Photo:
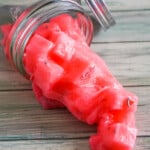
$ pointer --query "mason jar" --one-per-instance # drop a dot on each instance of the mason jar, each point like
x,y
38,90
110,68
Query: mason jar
x,y
27,16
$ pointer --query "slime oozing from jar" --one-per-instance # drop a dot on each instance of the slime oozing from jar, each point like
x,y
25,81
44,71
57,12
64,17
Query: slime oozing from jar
x,y
65,72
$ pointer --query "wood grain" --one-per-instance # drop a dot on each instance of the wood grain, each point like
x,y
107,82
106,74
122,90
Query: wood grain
x,y
129,62
72,144
128,5
17,2
114,5
125,48
130,27
23,118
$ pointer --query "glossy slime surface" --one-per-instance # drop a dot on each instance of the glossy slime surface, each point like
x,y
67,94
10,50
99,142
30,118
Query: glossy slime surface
x,y
65,72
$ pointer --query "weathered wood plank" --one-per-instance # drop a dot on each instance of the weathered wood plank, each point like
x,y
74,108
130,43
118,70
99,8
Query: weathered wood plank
x,y
76,144
72,144
21,117
118,5
12,80
29,127
127,5
17,2
129,62
124,5
130,26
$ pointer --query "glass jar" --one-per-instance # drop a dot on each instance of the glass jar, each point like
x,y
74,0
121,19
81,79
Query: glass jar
x,y
27,18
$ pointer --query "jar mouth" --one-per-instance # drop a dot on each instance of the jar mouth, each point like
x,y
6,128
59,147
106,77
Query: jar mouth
x,y
37,14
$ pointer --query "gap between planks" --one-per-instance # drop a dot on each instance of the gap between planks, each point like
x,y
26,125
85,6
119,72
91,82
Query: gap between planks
x,y
76,144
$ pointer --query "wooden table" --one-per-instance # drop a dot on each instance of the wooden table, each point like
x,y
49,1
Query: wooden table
x,y
24,125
